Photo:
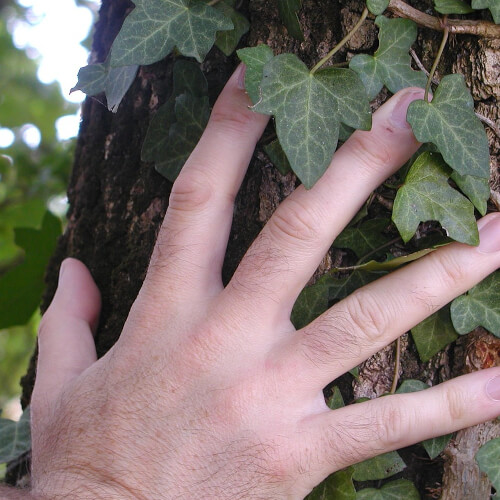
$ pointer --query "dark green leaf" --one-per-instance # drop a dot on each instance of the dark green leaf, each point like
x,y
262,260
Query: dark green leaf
x,y
376,7
15,437
488,459
191,115
21,288
380,467
338,486
255,58
493,5
477,189
228,40
312,301
435,446
114,82
288,13
433,334
452,7
155,27
449,122
308,108
341,288
364,239
390,65
426,195
278,157
401,489
480,306
336,400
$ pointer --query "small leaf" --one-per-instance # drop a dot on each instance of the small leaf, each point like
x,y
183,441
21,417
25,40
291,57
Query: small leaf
x,y
426,195
477,189
278,157
450,123
155,27
255,58
21,288
338,486
191,115
15,437
228,40
364,239
114,82
309,108
336,400
435,446
380,467
288,13
480,306
452,7
411,385
488,458
390,65
493,5
376,7
312,301
401,489
433,334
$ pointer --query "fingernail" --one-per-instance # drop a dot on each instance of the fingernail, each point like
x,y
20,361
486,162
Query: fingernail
x,y
61,271
398,117
489,235
241,76
493,388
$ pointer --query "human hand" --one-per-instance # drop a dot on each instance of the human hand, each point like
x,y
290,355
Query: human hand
x,y
210,391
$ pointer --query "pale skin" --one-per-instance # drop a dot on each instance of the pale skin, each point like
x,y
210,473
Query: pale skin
x,y
210,392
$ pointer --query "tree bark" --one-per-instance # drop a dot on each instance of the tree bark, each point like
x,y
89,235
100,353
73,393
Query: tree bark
x,y
117,202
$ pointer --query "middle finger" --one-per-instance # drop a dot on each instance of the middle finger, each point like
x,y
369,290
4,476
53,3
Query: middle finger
x,y
296,238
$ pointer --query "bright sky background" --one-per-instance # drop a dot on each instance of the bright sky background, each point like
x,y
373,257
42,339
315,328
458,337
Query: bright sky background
x,y
52,35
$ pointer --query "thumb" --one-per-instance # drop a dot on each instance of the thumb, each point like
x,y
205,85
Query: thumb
x,y
65,337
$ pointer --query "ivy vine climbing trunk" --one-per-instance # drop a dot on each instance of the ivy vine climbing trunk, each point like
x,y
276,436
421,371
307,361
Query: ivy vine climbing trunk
x,y
118,202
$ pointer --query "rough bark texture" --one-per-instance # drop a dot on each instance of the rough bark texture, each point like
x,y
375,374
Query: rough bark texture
x,y
118,202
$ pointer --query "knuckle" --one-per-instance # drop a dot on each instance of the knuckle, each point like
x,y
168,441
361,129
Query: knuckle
x,y
367,316
456,403
295,222
394,424
191,191
451,272
370,151
231,119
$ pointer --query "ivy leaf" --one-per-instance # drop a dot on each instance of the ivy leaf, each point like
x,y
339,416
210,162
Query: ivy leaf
x,y
338,486
433,334
380,467
391,63
411,385
364,239
493,5
336,400
480,306
312,301
21,288
426,195
488,458
255,58
452,7
395,490
114,82
376,7
228,40
191,115
187,79
450,123
278,157
477,189
288,13
341,288
308,108
155,27
15,437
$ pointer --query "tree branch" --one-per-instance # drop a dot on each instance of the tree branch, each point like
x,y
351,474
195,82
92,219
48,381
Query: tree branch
x,y
485,29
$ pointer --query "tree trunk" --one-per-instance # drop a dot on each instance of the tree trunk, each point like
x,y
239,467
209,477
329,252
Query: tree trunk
x,y
117,202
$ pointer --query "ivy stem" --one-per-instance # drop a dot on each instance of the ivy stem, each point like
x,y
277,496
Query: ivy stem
x,y
436,62
397,356
341,43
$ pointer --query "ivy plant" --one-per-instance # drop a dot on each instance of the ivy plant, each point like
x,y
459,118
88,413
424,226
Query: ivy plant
x,y
314,108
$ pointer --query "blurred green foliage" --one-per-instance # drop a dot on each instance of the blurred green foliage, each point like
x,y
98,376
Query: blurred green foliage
x,y
30,176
